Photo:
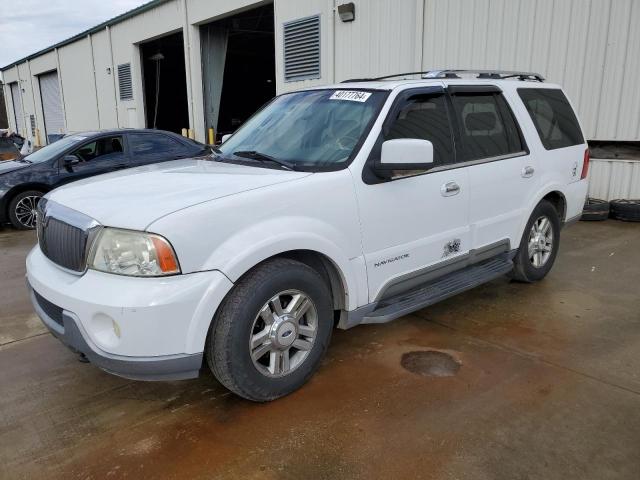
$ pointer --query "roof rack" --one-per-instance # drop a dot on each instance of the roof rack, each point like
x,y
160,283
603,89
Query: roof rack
x,y
483,74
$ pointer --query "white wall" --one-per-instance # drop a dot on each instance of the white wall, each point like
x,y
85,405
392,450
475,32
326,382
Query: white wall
x,y
287,10
78,86
385,38
591,47
105,78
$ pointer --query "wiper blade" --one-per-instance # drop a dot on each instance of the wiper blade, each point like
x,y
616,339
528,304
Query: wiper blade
x,y
262,157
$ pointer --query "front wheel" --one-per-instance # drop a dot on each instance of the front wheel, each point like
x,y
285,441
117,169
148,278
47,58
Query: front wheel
x,y
22,209
539,244
271,331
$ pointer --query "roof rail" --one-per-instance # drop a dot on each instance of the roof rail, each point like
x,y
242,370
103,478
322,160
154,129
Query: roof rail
x,y
486,74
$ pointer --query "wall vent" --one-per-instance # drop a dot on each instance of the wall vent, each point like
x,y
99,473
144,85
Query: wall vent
x,y
125,85
302,49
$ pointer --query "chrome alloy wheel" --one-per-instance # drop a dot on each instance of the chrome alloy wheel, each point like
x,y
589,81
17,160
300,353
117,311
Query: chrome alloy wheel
x,y
25,211
283,333
540,242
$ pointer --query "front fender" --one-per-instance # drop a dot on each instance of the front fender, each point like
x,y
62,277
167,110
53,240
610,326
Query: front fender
x,y
247,248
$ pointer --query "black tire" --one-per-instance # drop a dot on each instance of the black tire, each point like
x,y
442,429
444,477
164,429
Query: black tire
x,y
228,351
595,210
626,210
16,217
524,269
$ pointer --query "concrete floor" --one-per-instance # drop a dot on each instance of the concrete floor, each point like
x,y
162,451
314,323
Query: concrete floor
x,y
549,388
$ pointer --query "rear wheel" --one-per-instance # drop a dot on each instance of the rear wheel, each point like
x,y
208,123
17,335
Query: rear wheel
x,y
271,331
539,244
22,209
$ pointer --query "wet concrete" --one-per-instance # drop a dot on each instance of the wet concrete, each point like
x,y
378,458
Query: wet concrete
x,y
548,387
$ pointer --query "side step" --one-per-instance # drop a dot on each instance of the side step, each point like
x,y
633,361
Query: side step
x,y
444,287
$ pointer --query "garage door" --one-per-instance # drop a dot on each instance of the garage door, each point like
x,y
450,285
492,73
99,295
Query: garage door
x,y
51,105
17,108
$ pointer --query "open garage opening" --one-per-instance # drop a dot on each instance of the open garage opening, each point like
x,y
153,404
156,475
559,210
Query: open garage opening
x,y
165,83
238,65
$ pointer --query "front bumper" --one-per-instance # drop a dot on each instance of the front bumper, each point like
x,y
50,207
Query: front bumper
x,y
139,328
69,331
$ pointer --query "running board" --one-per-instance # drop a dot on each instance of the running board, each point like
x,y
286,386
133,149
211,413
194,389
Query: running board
x,y
440,289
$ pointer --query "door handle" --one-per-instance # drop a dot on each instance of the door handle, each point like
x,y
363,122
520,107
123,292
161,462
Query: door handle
x,y
449,189
527,172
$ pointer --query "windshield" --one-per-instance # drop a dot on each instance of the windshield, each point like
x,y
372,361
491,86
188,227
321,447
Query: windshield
x,y
311,130
54,149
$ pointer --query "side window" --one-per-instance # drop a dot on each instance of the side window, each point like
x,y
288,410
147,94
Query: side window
x,y
102,148
153,144
425,117
552,116
487,127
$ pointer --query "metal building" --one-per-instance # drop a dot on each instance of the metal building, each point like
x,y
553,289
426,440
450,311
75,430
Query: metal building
x,y
201,64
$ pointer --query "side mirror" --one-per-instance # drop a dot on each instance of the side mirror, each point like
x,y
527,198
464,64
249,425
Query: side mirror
x,y
70,160
405,154
226,137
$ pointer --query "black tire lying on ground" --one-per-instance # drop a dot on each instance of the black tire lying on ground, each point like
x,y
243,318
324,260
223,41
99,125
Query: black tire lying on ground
x,y
626,210
595,210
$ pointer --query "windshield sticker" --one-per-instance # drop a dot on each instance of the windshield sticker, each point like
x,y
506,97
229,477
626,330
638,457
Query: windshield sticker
x,y
350,95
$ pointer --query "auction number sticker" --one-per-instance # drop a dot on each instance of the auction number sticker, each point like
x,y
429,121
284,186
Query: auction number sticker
x,y
350,95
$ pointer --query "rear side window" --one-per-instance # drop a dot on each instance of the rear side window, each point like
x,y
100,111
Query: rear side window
x,y
552,116
425,117
150,144
487,127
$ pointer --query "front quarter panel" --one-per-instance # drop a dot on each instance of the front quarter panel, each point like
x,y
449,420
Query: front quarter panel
x,y
233,234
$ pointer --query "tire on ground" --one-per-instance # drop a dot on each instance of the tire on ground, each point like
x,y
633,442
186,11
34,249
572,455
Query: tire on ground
x,y
595,210
227,349
626,210
524,270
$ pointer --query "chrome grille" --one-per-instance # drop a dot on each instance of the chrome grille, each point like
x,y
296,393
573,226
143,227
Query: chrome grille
x,y
63,244
64,235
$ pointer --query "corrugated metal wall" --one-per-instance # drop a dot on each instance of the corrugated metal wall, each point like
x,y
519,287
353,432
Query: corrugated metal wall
x,y
591,47
611,179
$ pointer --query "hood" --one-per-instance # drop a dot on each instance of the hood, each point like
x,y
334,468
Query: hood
x,y
135,197
11,165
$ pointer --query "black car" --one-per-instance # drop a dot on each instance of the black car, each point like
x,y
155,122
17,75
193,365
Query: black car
x,y
25,180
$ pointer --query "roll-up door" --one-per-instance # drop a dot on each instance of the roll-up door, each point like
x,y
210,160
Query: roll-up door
x,y
51,105
17,108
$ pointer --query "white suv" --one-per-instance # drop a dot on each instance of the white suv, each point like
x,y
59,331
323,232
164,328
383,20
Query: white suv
x,y
332,206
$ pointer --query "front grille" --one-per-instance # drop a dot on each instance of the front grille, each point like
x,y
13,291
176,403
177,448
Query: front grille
x,y
63,244
54,312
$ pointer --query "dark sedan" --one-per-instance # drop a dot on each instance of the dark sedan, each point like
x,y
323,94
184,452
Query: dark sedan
x,y
81,155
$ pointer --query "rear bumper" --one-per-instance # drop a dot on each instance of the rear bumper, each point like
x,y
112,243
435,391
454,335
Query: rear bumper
x,y
69,331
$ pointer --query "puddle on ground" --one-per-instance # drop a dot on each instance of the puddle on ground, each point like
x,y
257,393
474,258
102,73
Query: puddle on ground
x,y
430,363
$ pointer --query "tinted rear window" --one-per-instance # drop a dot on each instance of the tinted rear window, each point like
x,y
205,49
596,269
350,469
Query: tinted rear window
x,y
552,116
487,127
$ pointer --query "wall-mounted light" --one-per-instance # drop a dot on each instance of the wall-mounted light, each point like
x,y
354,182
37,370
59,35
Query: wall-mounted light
x,y
347,12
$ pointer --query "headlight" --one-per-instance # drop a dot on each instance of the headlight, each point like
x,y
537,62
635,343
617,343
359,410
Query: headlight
x,y
138,254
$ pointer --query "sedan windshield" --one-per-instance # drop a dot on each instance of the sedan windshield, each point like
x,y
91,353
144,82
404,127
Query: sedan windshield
x,y
311,130
54,149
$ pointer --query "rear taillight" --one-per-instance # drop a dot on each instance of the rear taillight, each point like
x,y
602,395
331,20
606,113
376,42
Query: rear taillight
x,y
585,165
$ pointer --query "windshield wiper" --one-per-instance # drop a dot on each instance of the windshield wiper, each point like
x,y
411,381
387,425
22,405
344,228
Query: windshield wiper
x,y
262,157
